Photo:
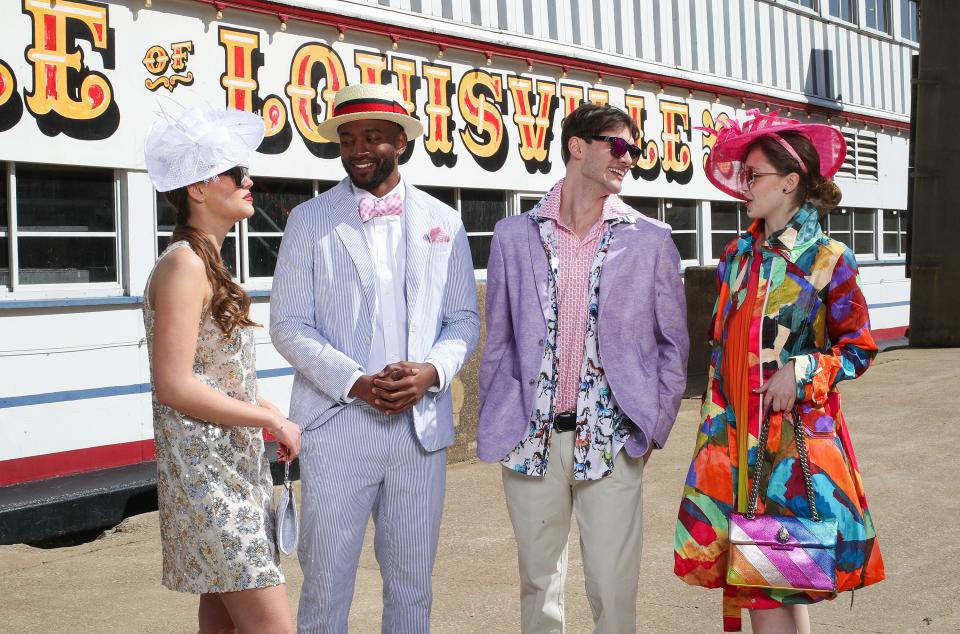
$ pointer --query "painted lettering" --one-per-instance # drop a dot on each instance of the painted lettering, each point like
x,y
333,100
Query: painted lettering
x,y
481,99
440,124
533,116
11,106
242,63
677,158
315,64
709,140
572,97
647,166
67,96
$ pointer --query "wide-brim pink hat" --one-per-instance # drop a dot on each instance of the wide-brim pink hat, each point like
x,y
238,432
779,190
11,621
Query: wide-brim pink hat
x,y
725,162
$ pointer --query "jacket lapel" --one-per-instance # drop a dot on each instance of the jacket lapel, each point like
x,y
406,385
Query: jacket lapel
x,y
611,266
538,260
418,219
350,231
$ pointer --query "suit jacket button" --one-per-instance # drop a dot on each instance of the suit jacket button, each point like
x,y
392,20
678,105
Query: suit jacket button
x,y
540,343
532,381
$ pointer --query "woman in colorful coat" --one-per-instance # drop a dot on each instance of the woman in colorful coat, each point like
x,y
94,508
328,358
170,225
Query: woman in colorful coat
x,y
790,323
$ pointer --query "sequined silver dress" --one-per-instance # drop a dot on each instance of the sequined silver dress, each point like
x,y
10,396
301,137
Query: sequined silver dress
x,y
214,489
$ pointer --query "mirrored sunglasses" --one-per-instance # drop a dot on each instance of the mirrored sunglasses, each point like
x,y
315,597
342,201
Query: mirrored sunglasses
x,y
619,146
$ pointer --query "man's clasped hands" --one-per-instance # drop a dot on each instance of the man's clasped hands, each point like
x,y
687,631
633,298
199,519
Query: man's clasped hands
x,y
397,387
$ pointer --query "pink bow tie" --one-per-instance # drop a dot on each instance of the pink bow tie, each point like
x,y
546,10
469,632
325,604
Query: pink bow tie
x,y
391,205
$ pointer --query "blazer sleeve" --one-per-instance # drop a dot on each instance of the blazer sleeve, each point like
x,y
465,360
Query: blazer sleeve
x,y
459,318
673,341
293,324
848,328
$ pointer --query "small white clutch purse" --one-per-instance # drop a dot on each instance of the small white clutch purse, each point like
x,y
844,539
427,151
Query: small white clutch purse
x,y
288,525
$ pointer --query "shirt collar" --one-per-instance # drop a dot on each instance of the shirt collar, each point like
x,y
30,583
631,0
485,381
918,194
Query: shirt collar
x,y
802,230
614,209
362,193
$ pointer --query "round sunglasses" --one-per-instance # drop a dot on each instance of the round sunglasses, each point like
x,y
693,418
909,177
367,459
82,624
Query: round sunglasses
x,y
619,146
748,176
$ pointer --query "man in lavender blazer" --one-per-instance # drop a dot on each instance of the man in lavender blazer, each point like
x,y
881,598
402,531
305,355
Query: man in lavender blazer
x,y
582,373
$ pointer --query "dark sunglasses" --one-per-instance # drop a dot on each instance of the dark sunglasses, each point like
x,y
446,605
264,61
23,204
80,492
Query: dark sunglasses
x,y
619,147
238,174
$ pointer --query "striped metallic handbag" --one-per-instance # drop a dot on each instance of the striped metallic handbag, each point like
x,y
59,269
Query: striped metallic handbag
x,y
782,551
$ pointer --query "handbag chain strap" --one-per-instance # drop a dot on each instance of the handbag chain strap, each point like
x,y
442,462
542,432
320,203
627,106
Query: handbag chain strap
x,y
804,466
286,474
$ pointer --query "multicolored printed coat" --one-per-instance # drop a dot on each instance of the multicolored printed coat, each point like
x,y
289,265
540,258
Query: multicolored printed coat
x,y
809,308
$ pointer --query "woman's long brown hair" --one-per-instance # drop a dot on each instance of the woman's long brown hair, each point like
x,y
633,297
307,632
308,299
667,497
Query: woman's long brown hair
x,y
230,304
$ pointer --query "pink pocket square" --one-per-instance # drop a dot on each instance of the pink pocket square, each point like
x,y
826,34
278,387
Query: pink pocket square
x,y
437,235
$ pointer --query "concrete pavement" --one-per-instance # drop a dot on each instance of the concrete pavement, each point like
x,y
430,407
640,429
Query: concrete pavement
x,y
903,414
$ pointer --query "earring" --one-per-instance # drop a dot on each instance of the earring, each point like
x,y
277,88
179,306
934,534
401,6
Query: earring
x,y
784,190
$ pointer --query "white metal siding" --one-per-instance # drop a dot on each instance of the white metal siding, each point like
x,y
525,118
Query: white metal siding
x,y
761,41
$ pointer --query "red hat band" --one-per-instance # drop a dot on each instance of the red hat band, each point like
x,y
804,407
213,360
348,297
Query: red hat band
x,y
369,105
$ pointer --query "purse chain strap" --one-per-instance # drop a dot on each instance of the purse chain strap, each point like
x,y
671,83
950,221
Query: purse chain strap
x,y
804,465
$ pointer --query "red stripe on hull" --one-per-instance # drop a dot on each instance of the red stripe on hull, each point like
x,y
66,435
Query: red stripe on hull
x,y
889,333
52,465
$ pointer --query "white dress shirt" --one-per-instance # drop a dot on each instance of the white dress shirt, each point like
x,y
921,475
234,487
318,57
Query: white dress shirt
x,y
385,239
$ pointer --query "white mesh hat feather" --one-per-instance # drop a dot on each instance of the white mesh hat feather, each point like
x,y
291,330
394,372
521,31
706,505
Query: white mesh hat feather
x,y
199,144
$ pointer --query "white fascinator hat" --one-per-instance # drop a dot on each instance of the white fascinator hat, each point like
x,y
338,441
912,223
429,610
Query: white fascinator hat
x,y
199,144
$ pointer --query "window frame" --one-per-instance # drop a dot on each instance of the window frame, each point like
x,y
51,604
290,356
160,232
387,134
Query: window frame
x,y
849,236
741,227
16,290
914,36
863,211
698,222
241,235
888,17
510,210
796,4
157,234
522,195
900,231
259,282
854,13
511,199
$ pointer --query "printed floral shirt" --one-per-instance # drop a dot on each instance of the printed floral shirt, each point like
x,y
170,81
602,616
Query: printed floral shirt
x,y
601,427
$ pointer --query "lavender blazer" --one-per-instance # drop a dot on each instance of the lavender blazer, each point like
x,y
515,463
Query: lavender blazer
x,y
642,331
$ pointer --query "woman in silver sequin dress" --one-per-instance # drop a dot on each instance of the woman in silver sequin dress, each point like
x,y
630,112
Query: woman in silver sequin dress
x,y
214,487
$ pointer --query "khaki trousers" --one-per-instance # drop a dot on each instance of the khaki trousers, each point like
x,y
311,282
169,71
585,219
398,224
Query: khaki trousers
x,y
610,517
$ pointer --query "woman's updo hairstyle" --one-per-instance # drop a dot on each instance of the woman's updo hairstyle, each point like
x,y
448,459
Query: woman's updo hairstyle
x,y
813,187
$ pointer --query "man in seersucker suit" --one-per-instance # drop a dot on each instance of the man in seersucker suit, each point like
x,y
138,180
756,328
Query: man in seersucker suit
x,y
374,306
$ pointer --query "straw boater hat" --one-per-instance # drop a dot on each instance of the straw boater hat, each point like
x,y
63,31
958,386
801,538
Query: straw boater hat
x,y
725,162
199,144
369,101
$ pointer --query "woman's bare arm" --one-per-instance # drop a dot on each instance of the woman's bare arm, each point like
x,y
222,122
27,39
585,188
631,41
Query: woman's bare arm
x,y
178,291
